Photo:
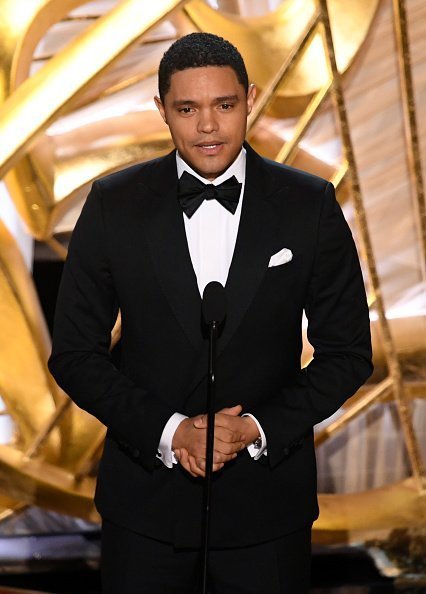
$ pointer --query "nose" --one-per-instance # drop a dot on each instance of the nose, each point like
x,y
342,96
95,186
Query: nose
x,y
207,122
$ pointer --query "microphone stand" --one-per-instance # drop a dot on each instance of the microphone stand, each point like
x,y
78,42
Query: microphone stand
x,y
214,313
211,393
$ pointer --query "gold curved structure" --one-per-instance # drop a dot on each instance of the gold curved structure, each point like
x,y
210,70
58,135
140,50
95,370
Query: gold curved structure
x,y
266,41
26,386
53,88
23,324
297,62
354,515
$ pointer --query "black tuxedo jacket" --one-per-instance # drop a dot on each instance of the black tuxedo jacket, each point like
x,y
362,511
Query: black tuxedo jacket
x,y
129,251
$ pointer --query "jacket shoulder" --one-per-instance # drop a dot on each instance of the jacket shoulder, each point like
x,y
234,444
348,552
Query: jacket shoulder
x,y
293,177
119,180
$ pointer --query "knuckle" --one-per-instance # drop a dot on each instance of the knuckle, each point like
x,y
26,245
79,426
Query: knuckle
x,y
227,434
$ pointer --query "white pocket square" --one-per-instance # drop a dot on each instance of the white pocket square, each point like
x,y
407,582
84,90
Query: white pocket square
x,y
282,257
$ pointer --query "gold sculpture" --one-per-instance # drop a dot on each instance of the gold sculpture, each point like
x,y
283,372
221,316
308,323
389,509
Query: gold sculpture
x,y
291,56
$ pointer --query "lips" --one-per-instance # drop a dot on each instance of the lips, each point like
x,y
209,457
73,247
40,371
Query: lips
x,y
209,148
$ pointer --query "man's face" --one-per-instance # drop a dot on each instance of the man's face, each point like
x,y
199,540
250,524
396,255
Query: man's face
x,y
206,110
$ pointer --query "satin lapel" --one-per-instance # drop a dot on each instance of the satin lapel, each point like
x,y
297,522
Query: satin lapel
x,y
253,247
165,233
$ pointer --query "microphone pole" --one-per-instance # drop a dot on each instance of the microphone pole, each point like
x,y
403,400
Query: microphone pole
x,y
214,312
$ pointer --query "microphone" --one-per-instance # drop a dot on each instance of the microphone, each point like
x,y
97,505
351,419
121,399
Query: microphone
x,y
214,303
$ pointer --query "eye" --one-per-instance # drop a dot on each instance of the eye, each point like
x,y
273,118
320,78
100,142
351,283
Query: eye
x,y
185,110
226,106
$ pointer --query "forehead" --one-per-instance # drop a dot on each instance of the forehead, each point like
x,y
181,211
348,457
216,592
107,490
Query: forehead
x,y
212,81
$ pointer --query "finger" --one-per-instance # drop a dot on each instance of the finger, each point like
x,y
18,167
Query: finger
x,y
229,422
218,463
228,449
228,435
179,452
200,422
201,463
219,458
194,467
234,411
217,467
197,449
184,461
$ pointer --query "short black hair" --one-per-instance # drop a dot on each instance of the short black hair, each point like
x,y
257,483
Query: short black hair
x,y
198,50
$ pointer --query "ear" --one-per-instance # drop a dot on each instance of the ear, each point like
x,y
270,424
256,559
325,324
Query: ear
x,y
251,96
160,107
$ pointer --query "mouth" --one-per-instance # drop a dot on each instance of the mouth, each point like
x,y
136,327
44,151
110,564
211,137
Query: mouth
x,y
209,148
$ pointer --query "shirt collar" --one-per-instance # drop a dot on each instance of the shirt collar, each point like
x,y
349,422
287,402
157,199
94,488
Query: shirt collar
x,y
237,168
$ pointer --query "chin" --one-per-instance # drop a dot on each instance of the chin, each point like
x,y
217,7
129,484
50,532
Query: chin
x,y
210,175
215,168
207,171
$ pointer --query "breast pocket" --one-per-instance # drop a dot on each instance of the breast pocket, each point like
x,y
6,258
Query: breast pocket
x,y
281,292
285,273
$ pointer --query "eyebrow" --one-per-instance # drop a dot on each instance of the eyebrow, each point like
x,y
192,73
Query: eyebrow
x,y
226,98
223,99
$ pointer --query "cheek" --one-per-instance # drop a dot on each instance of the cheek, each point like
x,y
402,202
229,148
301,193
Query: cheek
x,y
182,132
237,129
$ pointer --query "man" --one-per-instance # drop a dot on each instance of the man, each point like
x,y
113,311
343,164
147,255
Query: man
x,y
148,241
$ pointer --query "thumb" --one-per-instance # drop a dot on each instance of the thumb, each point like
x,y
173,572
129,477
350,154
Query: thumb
x,y
234,411
200,422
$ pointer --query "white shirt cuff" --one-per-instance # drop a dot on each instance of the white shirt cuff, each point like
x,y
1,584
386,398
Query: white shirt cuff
x,y
254,451
165,452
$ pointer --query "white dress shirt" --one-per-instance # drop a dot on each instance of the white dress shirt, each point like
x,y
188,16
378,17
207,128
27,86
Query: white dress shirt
x,y
211,234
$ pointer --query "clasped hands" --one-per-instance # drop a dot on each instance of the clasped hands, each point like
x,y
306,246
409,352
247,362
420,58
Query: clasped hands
x,y
232,434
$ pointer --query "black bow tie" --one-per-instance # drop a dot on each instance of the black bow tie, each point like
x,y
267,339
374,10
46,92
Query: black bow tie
x,y
192,192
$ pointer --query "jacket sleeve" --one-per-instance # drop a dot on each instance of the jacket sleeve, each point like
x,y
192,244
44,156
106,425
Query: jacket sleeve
x,y
338,330
80,362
